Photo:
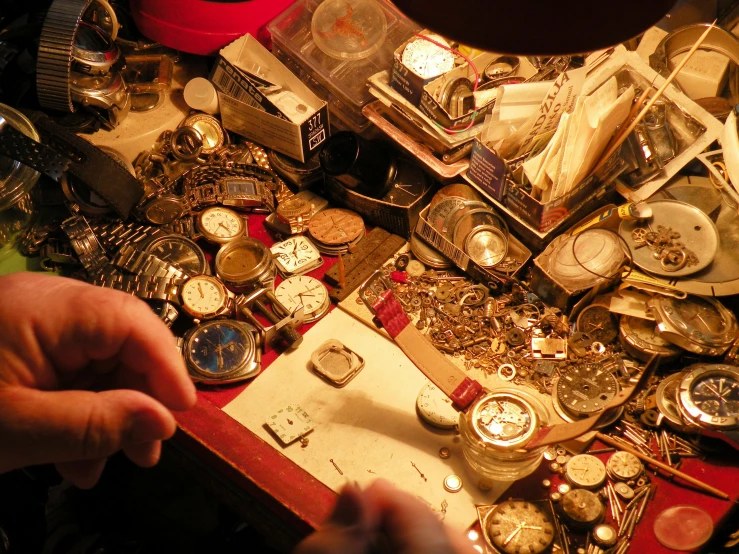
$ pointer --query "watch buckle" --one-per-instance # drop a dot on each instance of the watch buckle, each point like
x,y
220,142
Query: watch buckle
x,y
372,288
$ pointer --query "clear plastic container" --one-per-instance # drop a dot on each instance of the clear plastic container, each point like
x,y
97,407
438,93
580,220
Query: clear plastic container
x,y
16,181
349,29
336,80
503,460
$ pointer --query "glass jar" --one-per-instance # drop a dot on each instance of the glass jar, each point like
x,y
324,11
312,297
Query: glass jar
x,y
494,432
16,181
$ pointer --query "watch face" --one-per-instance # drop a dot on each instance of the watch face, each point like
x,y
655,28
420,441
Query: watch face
x,y
642,335
517,527
221,224
585,471
295,255
487,246
599,323
180,252
242,186
336,226
210,128
219,348
586,389
163,211
305,291
624,466
700,314
504,419
435,407
717,395
203,296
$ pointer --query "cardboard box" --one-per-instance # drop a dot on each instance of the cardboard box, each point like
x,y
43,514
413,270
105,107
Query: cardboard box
x,y
425,93
516,250
243,71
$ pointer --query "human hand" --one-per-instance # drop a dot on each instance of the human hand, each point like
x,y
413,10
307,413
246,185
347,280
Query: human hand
x,y
84,372
382,519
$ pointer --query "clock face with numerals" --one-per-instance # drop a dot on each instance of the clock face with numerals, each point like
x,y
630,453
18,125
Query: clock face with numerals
x,y
203,296
518,527
290,423
336,226
296,255
309,292
220,225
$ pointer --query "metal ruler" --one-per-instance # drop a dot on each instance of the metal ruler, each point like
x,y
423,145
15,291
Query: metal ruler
x,y
371,254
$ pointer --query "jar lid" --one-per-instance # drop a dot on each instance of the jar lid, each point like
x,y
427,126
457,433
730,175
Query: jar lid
x,y
16,179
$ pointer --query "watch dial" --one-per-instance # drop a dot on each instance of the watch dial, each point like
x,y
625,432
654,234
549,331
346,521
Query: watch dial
x,y
585,471
180,252
699,314
716,395
624,466
336,226
203,296
222,223
599,323
487,247
504,419
586,389
646,331
295,253
241,186
218,348
165,211
518,527
309,292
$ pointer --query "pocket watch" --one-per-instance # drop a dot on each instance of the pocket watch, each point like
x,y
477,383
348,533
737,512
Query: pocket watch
x,y
180,252
305,291
296,256
698,324
599,323
435,408
245,264
624,466
336,226
205,297
640,340
221,225
221,351
708,397
516,526
585,471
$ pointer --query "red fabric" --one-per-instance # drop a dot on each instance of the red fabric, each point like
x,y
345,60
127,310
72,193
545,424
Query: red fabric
x,y
304,502
399,276
390,313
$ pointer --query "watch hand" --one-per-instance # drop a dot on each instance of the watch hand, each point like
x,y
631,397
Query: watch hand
x,y
714,391
515,532
533,527
200,290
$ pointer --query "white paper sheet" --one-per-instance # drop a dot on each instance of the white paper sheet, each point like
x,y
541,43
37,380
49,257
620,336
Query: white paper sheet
x,y
369,428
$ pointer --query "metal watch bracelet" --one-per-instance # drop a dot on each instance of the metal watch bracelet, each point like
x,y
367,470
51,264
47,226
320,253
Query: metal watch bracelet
x,y
85,244
113,235
133,260
143,286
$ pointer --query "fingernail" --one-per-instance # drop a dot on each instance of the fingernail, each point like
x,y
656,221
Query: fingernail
x,y
348,509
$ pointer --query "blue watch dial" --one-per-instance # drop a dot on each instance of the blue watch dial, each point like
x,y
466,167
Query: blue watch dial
x,y
218,348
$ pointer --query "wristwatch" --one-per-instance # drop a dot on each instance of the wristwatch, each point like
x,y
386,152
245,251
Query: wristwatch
x,y
221,225
296,256
708,399
640,340
245,264
85,244
236,192
698,324
106,94
133,260
205,297
180,252
93,52
296,212
221,351
61,150
301,175
164,209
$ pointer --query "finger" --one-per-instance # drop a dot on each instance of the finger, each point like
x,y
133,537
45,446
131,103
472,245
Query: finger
x,y
42,427
145,454
409,525
83,474
349,528
74,324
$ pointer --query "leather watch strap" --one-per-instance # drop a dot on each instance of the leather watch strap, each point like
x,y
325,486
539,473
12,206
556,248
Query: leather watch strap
x,y
17,146
432,363
97,169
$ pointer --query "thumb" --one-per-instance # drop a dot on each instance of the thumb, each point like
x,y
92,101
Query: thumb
x,y
42,427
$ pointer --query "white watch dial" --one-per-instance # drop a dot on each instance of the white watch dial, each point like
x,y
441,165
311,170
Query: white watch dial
x,y
295,254
222,223
435,407
309,292
585,471
202,296
624,466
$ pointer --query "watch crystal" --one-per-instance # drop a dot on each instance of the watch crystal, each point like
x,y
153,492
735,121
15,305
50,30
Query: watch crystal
x,y
717,395
203,296
180,252
219,348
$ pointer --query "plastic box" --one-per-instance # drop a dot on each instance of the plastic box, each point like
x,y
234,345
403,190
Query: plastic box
x,y
342,83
